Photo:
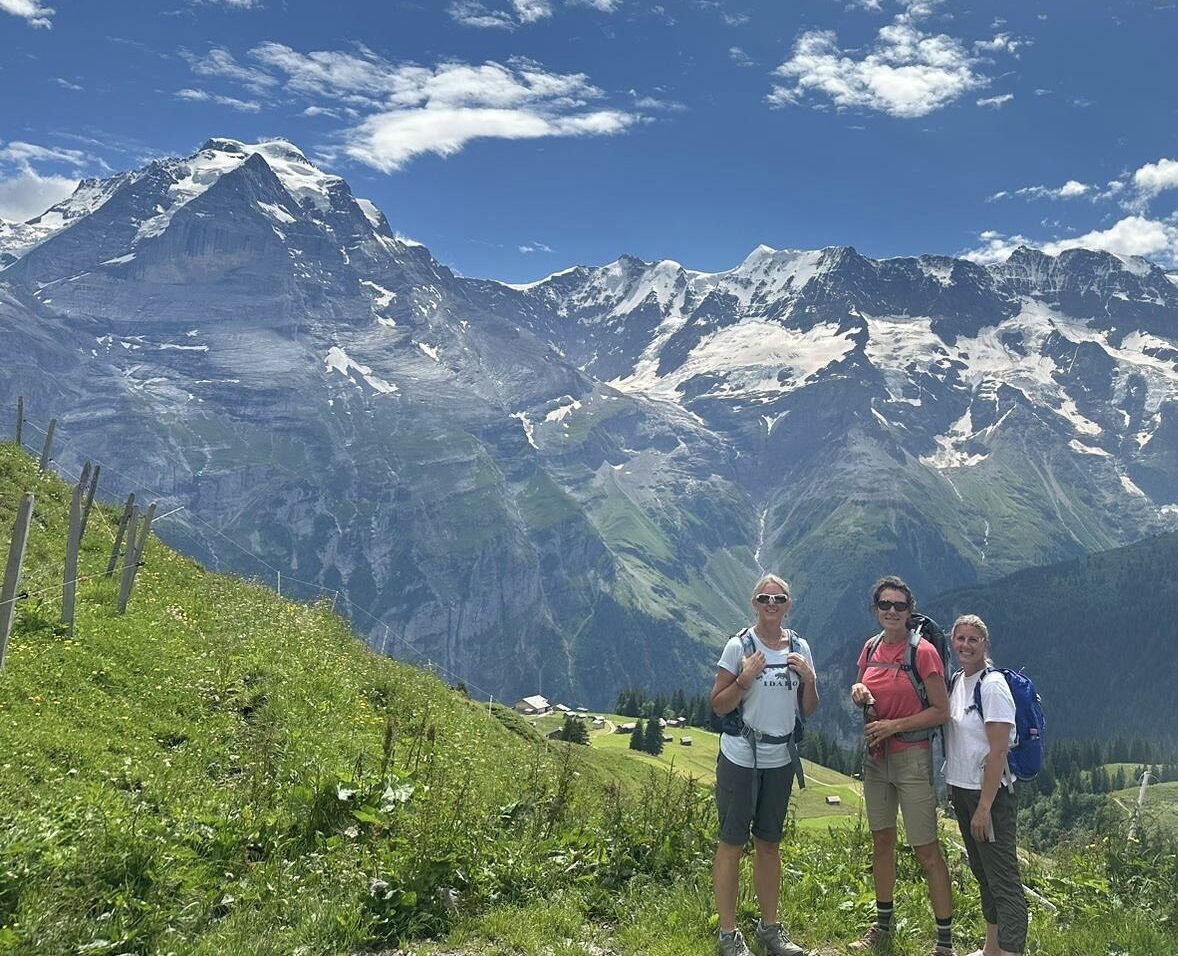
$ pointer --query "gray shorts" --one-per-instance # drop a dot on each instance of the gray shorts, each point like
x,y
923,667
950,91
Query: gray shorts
x,y
752,799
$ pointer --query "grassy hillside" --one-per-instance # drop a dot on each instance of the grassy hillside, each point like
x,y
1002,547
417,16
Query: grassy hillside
x,y
221,771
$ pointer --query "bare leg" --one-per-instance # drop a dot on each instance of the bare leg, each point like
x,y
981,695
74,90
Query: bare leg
x,y
937,874
725,879
883,862
767,878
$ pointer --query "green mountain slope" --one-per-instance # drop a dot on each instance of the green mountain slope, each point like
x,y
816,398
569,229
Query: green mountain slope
x,y
1096,634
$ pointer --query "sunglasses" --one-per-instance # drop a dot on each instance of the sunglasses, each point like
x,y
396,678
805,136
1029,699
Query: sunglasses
x,y
892,605
771,598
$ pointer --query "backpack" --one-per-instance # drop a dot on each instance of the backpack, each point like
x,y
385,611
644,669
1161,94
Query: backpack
x,y
920,628
1025,757
733,721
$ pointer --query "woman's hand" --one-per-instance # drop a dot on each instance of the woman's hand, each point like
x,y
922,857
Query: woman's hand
x,y
981,827
876,732
751,668
800,666
860,695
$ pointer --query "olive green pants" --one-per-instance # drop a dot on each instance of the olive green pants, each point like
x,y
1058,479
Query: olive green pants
x,y
995,864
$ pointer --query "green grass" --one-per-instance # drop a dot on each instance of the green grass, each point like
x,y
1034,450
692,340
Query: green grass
x,y
220,771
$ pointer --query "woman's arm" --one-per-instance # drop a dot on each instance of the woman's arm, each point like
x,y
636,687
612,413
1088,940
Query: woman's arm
x,y
728,688
998,734
800,665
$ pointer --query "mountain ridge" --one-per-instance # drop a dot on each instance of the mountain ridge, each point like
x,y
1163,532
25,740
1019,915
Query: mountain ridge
x,y
600,463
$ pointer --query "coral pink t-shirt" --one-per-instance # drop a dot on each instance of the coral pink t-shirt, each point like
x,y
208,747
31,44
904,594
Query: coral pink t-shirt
x,y
892,688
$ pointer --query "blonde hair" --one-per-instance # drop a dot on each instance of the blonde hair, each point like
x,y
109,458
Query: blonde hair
x,y
972,620
771,579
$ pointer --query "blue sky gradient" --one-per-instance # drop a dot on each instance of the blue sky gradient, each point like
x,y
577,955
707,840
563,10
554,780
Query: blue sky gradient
x,y
518,137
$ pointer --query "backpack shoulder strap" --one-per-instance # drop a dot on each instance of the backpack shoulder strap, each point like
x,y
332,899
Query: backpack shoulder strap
x,y
977,691
872,645
914,639
746,642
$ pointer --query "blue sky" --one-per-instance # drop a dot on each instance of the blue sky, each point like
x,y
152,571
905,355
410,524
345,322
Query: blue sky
x,y
519,137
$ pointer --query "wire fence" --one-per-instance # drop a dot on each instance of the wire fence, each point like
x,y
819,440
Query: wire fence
x,y
276,577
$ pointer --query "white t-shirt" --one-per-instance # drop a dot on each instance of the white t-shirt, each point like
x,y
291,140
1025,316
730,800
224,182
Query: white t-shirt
x,y
966,743
770,703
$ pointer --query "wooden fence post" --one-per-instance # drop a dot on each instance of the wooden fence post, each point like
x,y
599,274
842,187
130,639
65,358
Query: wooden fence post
x,y
90,497
136,545
123,522
16,554
70,580
20,419
128,561
47,447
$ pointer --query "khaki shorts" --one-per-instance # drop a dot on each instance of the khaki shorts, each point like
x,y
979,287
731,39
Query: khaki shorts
x,y
901,780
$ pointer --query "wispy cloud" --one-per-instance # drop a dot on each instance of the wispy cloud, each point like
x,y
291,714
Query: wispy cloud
x,y
220,63
535,247
66,84
404,110
202,96
906,73
605,6
31,11
509,14
996,102
471,13
739,57
1072,189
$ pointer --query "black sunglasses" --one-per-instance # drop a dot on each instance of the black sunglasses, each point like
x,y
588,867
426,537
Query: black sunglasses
x,y
771,598
892,605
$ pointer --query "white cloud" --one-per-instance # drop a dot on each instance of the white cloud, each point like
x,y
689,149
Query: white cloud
x,y
66,84
907,73
239,4
470,13
24,192
21,154
1072,189
535,247
1154,178
201,96
1002,43
409,110
996,102
1132,236
605,6
529,11
739,57
220,63
29,10
735,19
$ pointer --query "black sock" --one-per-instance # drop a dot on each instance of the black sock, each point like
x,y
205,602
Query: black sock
x,y
883,915
945,932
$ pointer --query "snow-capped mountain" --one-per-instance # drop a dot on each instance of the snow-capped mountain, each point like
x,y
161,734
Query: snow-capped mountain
x,y
569,485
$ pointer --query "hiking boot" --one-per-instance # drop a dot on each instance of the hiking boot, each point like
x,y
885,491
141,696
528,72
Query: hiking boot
x,y
775,940
874,936
733,945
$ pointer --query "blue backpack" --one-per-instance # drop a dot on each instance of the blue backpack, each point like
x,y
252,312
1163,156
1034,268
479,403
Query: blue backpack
x,y
1025,758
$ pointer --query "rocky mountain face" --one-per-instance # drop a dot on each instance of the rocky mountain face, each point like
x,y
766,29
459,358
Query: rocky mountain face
x,y
569,486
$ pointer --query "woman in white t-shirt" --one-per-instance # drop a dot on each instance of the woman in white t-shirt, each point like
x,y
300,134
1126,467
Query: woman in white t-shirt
x,y
978,736
760,671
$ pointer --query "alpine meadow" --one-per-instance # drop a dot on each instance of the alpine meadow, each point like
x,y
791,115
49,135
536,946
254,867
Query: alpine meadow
x,y
492,477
